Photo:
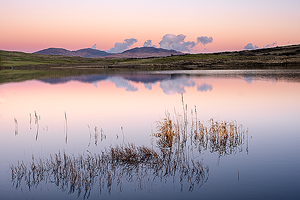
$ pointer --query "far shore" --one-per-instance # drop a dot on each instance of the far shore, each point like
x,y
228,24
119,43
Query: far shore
x,y
286,57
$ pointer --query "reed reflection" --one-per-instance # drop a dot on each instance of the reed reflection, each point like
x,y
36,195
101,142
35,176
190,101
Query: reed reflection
x,y
109,169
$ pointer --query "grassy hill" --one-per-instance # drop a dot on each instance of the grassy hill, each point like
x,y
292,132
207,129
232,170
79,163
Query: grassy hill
x,y
277,57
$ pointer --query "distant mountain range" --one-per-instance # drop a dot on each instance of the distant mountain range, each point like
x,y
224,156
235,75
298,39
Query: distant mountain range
x,y
86,53
138,52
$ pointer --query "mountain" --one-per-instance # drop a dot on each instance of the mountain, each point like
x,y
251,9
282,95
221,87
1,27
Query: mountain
x,y
138,52
145,52
86,53
91,53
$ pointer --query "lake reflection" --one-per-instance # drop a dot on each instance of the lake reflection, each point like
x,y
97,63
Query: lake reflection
x,y
226,135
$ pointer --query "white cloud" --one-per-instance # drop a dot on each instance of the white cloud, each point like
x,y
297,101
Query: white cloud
x,y
171,41
94,46
250,46
148,43
204,40
270,45
120,47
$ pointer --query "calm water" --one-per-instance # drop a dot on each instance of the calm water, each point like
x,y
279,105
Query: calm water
x,y
87,115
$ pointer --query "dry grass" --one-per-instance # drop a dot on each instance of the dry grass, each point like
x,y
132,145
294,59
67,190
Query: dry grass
x,y
221,137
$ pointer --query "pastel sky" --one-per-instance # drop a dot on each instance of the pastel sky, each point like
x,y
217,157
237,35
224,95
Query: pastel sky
x,y
32,25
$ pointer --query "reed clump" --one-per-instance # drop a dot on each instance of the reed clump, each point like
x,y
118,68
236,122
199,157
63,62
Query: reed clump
x,y
221,137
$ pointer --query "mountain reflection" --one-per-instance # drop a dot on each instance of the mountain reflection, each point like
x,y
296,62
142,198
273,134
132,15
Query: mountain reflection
x,y
170,84
175,82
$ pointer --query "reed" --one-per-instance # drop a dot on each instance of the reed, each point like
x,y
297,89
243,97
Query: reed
x,y
221,137
16,126
90,135
66,127
30,119
96,135
36,121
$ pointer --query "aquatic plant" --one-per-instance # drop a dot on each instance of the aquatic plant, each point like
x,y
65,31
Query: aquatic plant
x,y
173,159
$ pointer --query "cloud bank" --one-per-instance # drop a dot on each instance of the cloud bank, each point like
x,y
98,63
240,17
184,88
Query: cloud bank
x,y
250,46
171,41
120,47
204,40
148,43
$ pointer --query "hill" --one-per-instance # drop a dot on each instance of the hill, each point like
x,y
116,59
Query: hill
x,y
85,53
139,52
145,52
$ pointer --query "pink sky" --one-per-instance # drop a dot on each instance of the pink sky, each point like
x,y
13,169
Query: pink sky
x,y
33,25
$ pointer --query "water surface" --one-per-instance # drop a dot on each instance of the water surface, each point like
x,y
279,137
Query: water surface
x,y
85,115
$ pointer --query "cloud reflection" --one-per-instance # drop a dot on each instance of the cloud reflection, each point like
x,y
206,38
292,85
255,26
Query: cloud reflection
x,y
94,83
248,79
204,88
176,86
148,86
122,83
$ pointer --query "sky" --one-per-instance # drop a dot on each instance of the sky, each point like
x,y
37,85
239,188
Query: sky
x,y
193,26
